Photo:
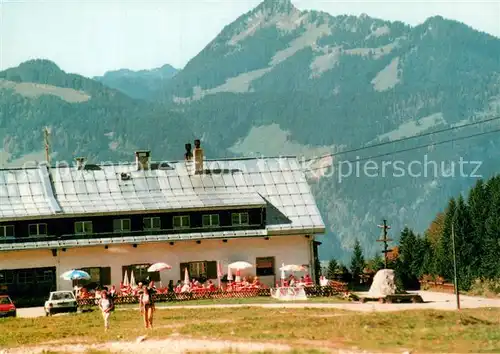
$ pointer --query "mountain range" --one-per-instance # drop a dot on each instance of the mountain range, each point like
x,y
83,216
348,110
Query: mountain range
x,y
142,84
279,81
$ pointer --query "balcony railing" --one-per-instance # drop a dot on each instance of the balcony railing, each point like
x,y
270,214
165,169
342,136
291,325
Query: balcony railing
x,y
97,235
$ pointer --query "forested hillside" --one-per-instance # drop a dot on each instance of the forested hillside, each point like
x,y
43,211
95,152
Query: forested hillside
x,y
318,83
474,220
142,84
85,118
280,81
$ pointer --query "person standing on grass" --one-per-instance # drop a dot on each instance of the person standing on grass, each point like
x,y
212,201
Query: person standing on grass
x,y
106,305
147,306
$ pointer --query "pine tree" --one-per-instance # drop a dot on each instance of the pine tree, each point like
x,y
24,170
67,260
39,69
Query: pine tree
x,y
490,265
428,259
464,244
408,264
333,269
357,261
444,260
376,263
478,202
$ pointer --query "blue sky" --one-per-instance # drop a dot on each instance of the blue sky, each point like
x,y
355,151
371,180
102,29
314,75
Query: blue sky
x,y
90,36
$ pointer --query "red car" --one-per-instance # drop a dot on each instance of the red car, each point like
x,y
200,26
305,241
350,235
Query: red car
x,y
7,307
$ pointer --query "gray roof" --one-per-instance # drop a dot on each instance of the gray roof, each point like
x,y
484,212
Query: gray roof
x,y
277,183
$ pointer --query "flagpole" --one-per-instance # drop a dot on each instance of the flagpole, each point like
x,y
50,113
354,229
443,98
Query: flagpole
x,y
457,293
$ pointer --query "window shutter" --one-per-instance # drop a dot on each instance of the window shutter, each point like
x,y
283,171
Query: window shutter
x,y
183,266
105,276
212,270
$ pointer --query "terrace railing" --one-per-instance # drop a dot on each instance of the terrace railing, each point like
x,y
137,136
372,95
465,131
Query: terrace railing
x,y
316,291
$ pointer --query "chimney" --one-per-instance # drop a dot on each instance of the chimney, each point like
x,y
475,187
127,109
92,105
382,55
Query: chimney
x,y
80,163
142,159
198,158
188,156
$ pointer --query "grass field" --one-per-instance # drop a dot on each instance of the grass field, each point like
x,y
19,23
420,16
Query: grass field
x,y
474,330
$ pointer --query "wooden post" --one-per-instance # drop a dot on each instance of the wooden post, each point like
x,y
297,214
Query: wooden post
x,y
385,240
47,144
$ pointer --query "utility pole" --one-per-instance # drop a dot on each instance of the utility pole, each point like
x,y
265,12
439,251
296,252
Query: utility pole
x,y
385,240
46,141
457,293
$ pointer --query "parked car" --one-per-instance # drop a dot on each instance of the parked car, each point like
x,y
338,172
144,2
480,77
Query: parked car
x,y
60,301
7,307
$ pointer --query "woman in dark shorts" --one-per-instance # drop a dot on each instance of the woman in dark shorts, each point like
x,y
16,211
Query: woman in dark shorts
x,y
147,306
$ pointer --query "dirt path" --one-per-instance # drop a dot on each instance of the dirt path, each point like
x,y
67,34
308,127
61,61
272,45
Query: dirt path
x,y
171,346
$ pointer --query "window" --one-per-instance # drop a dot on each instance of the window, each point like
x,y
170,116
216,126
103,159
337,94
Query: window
x,y
98,276
181,222
210,220
121,225
25,276
240,218
152,223
264,266
83,227
6,276
200,271
6,230
38,229
44,276
140,272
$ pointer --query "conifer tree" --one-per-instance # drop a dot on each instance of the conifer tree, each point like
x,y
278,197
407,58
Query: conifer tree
x,y
408,263
463,243
444,256
491,239
357,261
333,269
478,202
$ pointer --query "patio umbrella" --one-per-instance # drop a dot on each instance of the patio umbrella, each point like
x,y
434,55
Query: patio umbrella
x,y
186,276
240,265
219,273
292,268
75,275
132,280
158,267
229,275
125,279
283,276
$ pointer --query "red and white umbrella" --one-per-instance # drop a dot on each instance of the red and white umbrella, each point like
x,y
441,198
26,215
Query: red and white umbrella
x,y
125,279
240,265
158,267
293,268
219,273
186,276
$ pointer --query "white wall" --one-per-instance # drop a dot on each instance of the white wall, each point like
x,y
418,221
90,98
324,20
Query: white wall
x,y
285,249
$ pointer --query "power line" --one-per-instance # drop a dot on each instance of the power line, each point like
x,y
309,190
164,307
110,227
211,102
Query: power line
x,y
414,148
405,139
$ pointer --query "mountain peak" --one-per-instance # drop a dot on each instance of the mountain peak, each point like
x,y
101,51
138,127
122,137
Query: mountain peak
x,y
277,5
40,64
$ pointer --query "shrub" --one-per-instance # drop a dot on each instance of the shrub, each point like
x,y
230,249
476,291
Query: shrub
x,y
486,287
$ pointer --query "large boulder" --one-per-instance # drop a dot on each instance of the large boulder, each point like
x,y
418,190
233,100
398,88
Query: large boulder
x,y
383,284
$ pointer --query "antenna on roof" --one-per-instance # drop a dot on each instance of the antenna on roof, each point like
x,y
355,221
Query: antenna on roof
x,y
46,134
